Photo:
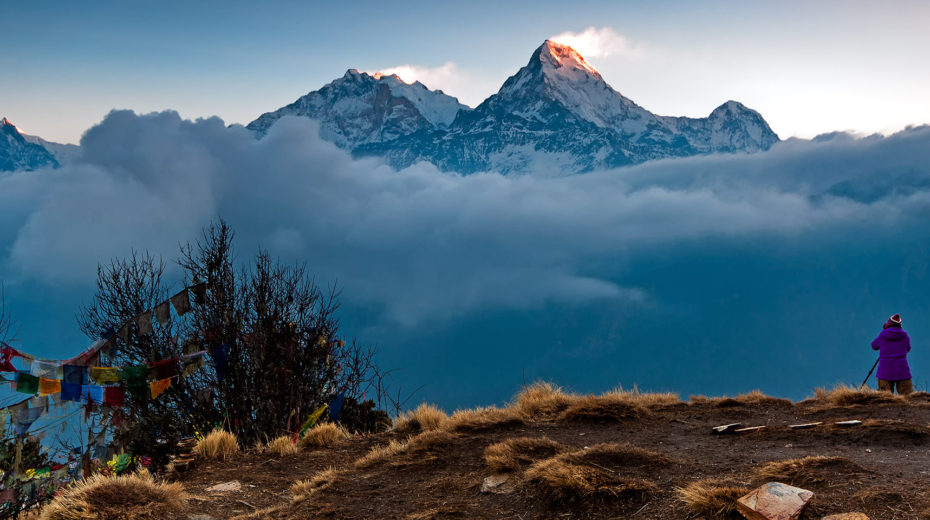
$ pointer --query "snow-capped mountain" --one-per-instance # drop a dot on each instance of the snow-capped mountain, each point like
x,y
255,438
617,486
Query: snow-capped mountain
x,y
361,108
556,114
16,153
63,153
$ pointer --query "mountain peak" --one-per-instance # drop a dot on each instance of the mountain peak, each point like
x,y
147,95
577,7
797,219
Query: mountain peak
x,y
7,122
558,55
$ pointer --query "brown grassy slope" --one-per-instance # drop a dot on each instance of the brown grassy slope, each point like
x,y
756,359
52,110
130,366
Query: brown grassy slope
x,y
661,463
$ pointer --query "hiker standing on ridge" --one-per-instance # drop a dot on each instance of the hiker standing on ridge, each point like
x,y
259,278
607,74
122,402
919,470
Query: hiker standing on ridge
x,y
892,345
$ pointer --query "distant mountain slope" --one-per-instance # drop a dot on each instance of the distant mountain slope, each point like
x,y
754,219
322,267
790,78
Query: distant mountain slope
x,y
556,114
63,153
361,108
16,153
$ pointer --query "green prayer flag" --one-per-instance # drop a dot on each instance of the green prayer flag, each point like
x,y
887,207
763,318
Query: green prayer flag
x,y
27,383
136,377
314,417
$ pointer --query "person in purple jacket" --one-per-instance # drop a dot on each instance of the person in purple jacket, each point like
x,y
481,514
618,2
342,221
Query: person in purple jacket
x,y
892,345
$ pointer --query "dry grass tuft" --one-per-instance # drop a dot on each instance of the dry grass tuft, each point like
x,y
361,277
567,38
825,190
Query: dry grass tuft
x,y
645,399
127,497
513,454
436,514
417,449
281,446
808,470
323,436
303,489
218,444
541,399
609,407
603,470
482,419
711,498
846,395
570,481
424,418
755,397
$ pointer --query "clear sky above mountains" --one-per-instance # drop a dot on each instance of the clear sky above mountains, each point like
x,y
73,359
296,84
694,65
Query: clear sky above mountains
x,y
807,67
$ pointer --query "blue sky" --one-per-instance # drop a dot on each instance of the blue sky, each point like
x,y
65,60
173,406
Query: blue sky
x,y
808,67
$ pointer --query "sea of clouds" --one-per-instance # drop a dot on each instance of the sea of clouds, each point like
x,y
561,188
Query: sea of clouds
x,y
708,275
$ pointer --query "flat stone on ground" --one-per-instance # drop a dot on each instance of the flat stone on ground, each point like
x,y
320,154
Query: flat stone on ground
x,y
497,484
847,516
232,485
774,501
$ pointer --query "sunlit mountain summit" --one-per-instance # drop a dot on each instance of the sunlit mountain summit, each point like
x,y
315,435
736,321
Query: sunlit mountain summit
x,y
18,153
556,114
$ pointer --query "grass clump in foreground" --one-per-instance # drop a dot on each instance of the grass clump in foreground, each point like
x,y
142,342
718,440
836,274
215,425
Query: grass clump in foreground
x,y
602,470
281,446
420,448
846,395
482,419
303,489
513,454
127,497
323,436
755,397
541,399
808,470
424,418
218,444
711,498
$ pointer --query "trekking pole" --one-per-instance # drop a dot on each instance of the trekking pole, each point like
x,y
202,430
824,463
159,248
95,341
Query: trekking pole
x,y
870,373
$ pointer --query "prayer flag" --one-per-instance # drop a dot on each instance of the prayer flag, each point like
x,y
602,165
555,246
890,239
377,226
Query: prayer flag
x,y
137,381
157,387
335,406
191,363
104,375
220,360
163,312
46,368
7,353
123,332
115,396
49,386
181,302
135,373
200,293
314,417
27,383
70,392
74,374
92,393
39,402
144,321
163,369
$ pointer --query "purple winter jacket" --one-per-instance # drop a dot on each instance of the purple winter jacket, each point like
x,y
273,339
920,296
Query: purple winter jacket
x,y
893,345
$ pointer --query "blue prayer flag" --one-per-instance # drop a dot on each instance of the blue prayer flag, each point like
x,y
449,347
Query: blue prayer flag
x,y
335,406
70,391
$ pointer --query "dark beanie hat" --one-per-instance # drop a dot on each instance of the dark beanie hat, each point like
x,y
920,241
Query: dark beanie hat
x,y
894,321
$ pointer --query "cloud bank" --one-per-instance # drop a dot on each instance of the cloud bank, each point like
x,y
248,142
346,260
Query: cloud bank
x,y
419,247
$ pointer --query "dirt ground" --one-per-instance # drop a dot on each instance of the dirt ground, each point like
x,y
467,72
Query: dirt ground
x,y
884,472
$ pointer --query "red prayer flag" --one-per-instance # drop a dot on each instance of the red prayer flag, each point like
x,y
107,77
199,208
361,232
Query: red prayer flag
x,y
114,396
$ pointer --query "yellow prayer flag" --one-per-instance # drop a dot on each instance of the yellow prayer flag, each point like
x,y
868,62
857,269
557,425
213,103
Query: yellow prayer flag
x,y
104,375
49,386
157,387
